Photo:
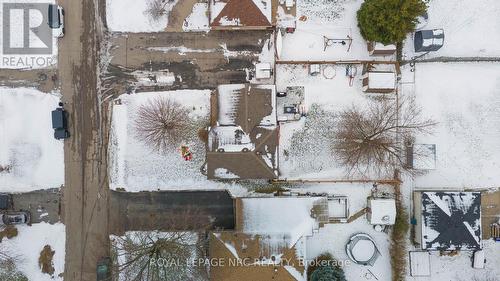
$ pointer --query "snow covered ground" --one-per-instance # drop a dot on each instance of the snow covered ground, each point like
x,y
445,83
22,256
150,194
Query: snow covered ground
x,y
464,98
198,19
132,16
136,167
28,149
28,244
305,145
459,268
333,19
14,36
471,28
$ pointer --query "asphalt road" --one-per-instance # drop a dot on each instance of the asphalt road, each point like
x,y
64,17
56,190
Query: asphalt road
x,y
85,192
156,210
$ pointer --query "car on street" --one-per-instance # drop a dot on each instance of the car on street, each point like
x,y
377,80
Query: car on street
x,y
5,201
60,123
20,217
104,269
56,19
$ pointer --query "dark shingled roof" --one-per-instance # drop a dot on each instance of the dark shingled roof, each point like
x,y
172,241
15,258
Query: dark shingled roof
x,y
245,11
251,105
451,220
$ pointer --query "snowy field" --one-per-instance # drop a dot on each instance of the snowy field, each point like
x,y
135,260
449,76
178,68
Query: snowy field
x,y
471,28
132,16
464,99
305,145
14,37
28,244
33,158
333,19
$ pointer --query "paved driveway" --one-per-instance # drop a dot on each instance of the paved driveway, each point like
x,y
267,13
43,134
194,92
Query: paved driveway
x,y
155,210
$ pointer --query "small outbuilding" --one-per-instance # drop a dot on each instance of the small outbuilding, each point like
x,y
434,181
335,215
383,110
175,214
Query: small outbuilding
x,y
428,40
420,263
379,49
381,211
379,82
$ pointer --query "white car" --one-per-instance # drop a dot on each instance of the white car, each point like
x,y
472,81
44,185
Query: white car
x,y
56,19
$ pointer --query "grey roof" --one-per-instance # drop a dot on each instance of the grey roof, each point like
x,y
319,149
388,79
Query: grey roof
x,y
246,148
451,220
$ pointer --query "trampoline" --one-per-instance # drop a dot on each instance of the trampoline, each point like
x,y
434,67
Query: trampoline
x,y
362,250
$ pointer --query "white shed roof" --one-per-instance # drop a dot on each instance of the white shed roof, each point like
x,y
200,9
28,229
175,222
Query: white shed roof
x,y
383,211
420,264
381,80
380,46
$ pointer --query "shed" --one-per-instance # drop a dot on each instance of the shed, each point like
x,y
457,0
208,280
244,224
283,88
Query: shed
x,y
420,263
382,211
263,70
379,49
428,40
379,82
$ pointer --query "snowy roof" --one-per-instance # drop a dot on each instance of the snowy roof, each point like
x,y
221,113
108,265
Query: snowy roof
x,y
246,105
380,46
451,220
420,263
382,211
263,70
241,13
279,217
381,80
244,141
260,259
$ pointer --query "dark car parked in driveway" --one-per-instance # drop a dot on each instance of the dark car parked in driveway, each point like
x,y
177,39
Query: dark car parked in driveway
x,y
60,123
20,217
5,201
104,269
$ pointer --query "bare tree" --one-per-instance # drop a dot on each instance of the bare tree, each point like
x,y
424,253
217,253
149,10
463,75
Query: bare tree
x,y
157,8
161,123
171,255
8,268
373,138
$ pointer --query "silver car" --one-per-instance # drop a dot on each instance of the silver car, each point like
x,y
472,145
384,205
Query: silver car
x,y
20,217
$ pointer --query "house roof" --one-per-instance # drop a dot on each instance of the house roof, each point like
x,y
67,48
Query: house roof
x,y
243,13
255,258
244,141
451,220
265,216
